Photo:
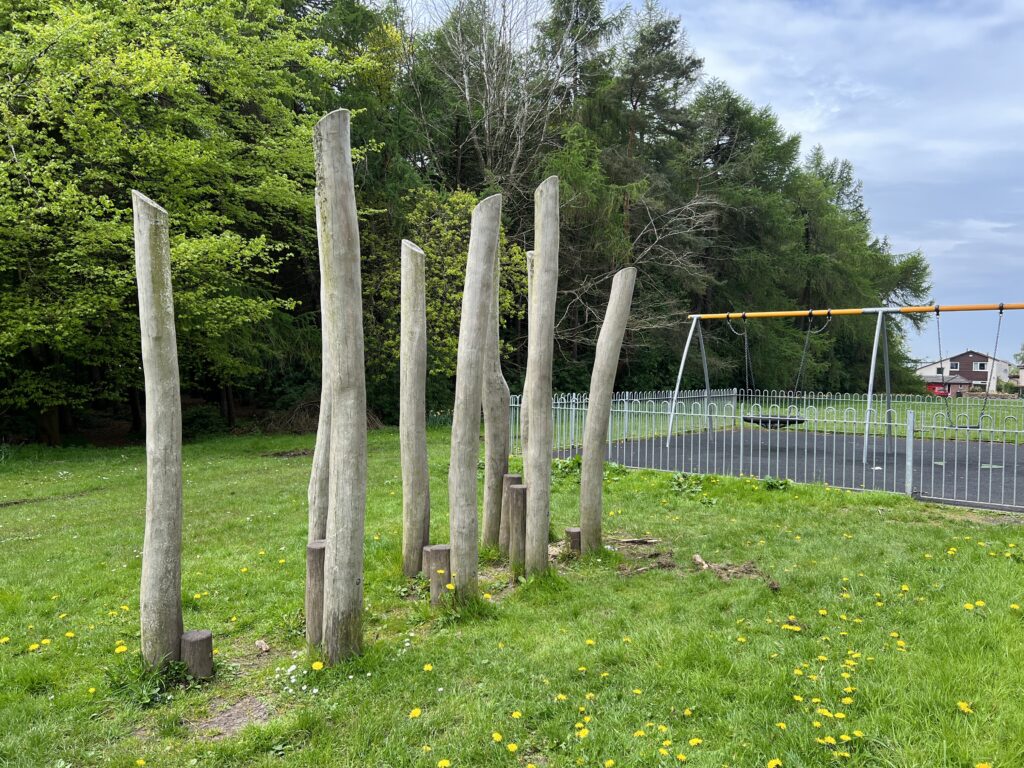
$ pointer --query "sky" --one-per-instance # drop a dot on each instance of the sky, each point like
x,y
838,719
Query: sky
x,y
926,99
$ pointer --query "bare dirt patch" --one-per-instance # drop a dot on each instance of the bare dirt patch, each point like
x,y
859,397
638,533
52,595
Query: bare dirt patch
x,y
642,555
288,454
232,718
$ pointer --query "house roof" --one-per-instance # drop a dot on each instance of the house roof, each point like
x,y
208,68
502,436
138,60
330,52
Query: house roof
x,y
947,380
961,354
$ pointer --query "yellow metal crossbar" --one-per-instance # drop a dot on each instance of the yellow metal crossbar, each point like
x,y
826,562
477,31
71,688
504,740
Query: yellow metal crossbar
x,y
861,311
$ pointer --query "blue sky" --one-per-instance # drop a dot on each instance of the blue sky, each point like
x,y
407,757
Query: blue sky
x,y
926,99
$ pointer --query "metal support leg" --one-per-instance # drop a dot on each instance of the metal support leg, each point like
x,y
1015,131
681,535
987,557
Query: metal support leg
x,y
871,384
888,384
908,481
679,378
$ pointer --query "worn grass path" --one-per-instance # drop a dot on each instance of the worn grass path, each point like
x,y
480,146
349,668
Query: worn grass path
x,y
867,649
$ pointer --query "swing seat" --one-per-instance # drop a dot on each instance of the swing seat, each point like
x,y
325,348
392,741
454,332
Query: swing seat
x,y
775,422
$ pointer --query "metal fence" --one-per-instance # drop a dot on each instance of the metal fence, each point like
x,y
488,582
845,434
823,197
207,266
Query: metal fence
x,y
955,450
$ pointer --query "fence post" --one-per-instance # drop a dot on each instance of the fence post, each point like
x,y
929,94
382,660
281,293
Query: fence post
x,y
909,478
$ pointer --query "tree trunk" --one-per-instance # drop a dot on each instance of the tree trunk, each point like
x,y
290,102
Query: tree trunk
x,y
412,420
338,234
465,439
543,286
160,594
602,384
496,418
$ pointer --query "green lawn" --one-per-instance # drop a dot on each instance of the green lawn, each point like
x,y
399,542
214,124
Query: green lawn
x,y
603,661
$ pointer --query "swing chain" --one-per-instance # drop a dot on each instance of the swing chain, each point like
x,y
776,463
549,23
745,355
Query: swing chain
x,y
807,344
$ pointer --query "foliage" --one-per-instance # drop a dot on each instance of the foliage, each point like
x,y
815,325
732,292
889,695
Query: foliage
x,y
770,483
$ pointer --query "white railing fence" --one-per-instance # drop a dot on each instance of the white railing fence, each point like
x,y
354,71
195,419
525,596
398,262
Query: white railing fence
x,y
960,450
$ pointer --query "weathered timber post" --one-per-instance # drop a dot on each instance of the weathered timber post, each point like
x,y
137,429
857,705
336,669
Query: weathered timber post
x,y
506,482
338,235
496,417
517,529
465,448
602,384
524,411
160,593
197,653
572,540
537,388
412,419
315,592
437,563
318,492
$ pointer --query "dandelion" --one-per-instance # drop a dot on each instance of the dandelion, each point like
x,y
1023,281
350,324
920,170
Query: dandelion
x,y
964,707
637,691
774,763
859,734
590,642
444,763
140,761
512,746
687,712
428,667
980,603
121,649
45,641
781,726
609,763
69,635
681,757
92,690
496,737
426,748
197,596
244,569
561,697
516,715
281,561
583,733
487,595
639,733
1013,607
4,640
450,587
797,697
968,606
695,741
415,712
983,765
317,665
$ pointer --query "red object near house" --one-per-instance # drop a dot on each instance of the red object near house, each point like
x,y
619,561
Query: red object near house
x,y
939,390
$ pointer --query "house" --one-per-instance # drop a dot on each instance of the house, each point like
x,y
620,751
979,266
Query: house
x,y
969,370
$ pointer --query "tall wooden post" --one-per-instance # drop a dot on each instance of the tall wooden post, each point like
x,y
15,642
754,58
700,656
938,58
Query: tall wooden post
x,y
160,594
465,448
543,285
602,384
412,419
338,234
496,417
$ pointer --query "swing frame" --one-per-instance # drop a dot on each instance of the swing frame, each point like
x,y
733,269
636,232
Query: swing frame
x,y
880,312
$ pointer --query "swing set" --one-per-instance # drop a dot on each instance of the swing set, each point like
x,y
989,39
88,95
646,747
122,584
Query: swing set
x,y
881,339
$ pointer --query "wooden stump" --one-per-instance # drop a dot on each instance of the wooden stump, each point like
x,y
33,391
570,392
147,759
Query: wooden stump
x,y
197,653
437,562
503,530
573,539
517,528
315,591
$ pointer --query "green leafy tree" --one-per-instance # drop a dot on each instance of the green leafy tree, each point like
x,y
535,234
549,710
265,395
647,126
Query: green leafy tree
x,y
205,106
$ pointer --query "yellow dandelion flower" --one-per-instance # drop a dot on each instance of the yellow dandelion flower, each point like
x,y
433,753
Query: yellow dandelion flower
x,y
426,748
968,606
121,649
774,763
637,691
588,641
781,726
317,665
449,586
639,733
244,569
140,761
980,603
797,697
517,714
444,763
561,697
428,667
609,763
4,640
667,743
583,733
681,757
496,737
45,641
69,634
964,707
415,712
512,746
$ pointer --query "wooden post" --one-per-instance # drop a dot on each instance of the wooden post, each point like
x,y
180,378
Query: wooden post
x,y
506,482
572,540
602,385
496,416
465,436
315,592
412,419
517,529
197,653
537,388
160,592
338,235
437,563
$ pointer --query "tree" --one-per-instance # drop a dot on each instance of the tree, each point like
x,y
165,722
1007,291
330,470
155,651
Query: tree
x,y
201,104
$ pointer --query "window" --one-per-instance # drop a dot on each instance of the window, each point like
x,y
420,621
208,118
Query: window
x,y
981,366
954,366
939,370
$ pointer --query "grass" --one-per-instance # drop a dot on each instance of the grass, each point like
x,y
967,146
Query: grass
x,y
876,584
